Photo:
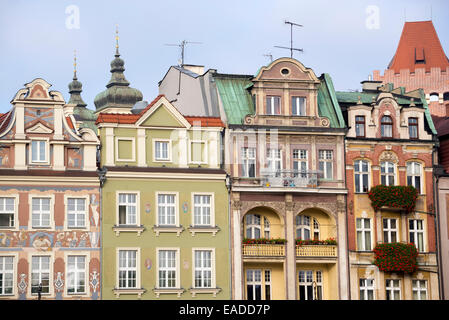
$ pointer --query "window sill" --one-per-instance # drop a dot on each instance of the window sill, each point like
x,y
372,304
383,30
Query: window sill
x,y
137,291
168,229
195,291
123,228
177,291
203,229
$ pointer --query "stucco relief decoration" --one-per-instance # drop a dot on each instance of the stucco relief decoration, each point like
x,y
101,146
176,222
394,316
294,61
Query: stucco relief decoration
x,y
328,207
59,282
42,241
388,156
5,240
277,206
94,203
22,285
94,280
324,122
249,119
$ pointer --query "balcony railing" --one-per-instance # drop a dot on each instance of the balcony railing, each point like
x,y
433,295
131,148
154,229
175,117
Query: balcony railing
x,y
316,251
289,178
264,250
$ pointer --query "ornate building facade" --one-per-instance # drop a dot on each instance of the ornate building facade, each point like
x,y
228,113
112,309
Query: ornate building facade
x,y
50,226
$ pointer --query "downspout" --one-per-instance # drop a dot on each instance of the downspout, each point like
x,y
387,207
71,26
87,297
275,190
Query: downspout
x,y
436,221
102,178
348,283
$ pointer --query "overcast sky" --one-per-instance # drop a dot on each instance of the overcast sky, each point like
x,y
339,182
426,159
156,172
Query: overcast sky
x,y
347,39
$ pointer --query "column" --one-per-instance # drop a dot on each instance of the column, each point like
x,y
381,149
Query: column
x,y
290,260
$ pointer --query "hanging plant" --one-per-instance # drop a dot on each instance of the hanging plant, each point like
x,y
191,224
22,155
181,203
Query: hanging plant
x,y
396,257
402,197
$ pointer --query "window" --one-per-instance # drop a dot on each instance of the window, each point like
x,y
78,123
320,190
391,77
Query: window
x,y
40,274
38,151
248,162
273,105
203,269
274,162
198,152
310,285
167,269
166,209
127,208
40,212
253,227
386,127
298,106
300,164
359,126
162,150
202,210
416,233
393,289
6,275
387,173
76,212
363,228
434,97
7,212
325,163
413,128
390,229
366,289
127,272
303,231
266,228
414,175
361,176
419,288
258,288
76,274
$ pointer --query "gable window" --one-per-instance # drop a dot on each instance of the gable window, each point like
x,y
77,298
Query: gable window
x,y
40,274
6,275
298,106
273,105
39,151
127,271
387,173
386,127
127,209
414,175
416,233
248,162
390,228
360,126
366,289
166,209
363,228
40,212
325,163
413,128
162,150
7,212
76,212
361,176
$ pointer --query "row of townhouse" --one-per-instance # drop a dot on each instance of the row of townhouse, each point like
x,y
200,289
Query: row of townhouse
x,y
225,186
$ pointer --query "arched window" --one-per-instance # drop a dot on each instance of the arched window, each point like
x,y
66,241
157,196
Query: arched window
x,y
303,227
386,127
387,173
253,227
414,172
434,97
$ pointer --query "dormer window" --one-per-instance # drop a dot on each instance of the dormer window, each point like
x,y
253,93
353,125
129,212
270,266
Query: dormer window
x,y
386,127
413,128
360,126
39,152
298,106
273,105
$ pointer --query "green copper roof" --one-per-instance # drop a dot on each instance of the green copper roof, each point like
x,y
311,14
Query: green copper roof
x,y
237,101
328,104
427,112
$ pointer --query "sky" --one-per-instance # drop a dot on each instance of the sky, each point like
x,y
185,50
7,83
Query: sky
x,y
346,39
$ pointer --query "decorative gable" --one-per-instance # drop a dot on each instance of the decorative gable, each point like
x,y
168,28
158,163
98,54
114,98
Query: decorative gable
x,y
161,113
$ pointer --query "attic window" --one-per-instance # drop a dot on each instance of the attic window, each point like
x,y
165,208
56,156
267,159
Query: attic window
x,y
434,97
446,96
285,71
419,56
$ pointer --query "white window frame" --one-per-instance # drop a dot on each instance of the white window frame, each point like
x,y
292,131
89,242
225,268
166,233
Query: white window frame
x,y
86,199
253,225
176,268
51,267
133,149
417,232
300,156
366,287
176,206
117,199
302,227
137,267
325,159
203,156
388,229
52,208
169,150
309,282
298,110
418,288
261,282
271,106
47,151
363,230
13,272
389,287
274,156
15,211
247,159
360,174
202,268
414,175
211,209
86,256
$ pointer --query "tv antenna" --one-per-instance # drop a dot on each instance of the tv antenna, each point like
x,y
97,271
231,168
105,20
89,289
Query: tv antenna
x,y
182,45
291,38
269,55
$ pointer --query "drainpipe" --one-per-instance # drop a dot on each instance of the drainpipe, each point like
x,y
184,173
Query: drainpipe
x,y
102,178
348,283
228,186
436,221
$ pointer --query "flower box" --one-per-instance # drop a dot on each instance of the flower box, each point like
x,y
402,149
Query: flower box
x,y
398,197
396,257
327,242
264,241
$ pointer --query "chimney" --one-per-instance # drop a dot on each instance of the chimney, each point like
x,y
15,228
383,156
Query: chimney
x,y
370,85
194,68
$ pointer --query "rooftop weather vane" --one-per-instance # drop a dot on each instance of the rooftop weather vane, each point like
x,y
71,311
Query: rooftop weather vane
x,y
291,38
182,45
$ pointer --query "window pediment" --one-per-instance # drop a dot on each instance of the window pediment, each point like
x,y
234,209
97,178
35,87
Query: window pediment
x,y
39,128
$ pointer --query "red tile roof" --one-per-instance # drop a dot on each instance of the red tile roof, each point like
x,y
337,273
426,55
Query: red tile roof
x,y
419,47
4,120
205,121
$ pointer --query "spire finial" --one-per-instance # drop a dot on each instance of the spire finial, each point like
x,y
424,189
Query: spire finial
x,y
116,39
74,64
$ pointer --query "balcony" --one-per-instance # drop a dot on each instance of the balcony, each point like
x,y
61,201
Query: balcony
x,y
263,250
316,251
289,178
